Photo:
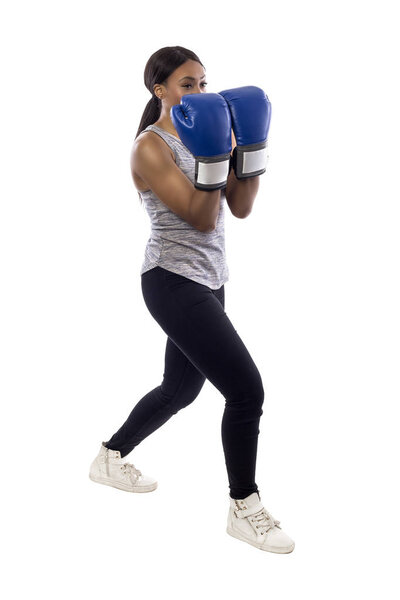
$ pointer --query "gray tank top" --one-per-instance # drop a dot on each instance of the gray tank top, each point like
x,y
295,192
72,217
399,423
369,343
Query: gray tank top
x,y
174,244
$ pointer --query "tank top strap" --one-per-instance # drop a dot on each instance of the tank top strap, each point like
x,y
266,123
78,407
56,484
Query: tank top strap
x,y
173,142
183,157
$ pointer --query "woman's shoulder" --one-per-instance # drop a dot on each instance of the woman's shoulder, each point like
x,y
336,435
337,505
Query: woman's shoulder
x,y
147,141
149,138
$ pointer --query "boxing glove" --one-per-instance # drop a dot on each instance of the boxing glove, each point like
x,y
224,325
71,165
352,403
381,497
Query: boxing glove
x,y
250,111
203,122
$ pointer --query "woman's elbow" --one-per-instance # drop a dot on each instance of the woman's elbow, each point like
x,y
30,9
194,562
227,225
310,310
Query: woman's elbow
x,y
207,228
243,214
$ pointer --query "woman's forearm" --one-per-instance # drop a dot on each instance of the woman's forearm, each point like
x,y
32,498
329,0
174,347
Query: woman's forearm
x,y
204,207
241,193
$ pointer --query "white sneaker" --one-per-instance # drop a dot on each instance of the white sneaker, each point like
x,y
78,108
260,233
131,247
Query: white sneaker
x,y
109,468
250,522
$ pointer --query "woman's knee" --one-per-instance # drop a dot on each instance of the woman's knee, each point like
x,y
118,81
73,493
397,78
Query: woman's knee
x,y
256,396
184,395
250,394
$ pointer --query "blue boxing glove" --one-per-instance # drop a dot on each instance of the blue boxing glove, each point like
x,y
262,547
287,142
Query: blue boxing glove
x,y
203,122
251,114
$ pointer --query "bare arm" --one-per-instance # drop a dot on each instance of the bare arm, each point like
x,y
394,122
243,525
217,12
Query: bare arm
x,y
240,193
152,161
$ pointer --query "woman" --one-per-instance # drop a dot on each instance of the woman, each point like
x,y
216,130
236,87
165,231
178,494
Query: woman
x,y
183,277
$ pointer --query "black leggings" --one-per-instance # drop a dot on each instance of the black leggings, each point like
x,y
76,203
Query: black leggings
x,y
202,343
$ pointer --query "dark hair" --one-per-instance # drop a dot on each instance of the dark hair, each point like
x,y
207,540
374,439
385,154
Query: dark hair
x,y
158,68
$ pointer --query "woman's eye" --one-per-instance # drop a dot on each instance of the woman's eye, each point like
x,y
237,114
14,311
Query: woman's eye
x,y
189,84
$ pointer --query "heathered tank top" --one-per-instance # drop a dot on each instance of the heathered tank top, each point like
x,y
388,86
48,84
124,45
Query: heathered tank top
x,y
176,245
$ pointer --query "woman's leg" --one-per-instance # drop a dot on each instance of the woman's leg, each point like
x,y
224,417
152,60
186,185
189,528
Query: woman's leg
x,y
193,317
181,385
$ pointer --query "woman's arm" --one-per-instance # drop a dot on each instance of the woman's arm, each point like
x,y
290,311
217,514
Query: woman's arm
x,y
151,159
240,193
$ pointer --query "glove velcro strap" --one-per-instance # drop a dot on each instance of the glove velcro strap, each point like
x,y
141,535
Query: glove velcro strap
x,y
211,172
242,513
250,160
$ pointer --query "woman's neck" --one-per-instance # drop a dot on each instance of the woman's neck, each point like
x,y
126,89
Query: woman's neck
x,y
168,126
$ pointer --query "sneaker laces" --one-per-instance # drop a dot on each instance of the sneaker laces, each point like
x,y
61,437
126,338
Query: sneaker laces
x,y
265,520
132,470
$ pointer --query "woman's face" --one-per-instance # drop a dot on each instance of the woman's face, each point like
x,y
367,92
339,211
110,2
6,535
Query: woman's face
x,y
189,78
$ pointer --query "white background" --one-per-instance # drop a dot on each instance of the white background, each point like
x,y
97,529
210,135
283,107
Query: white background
x,y
313,292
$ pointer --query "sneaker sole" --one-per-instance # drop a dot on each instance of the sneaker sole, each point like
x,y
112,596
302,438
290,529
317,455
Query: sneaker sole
x,y
236,535
120,486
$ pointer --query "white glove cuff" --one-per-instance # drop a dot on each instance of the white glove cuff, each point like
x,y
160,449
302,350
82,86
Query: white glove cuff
x,y
211,173
251,160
